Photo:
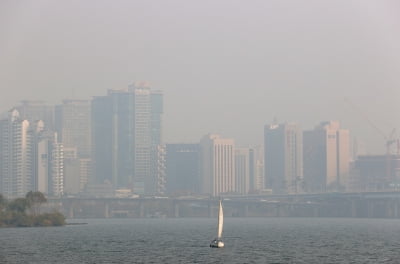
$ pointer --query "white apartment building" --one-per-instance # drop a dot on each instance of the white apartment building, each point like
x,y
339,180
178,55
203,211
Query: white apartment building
x,y
217,165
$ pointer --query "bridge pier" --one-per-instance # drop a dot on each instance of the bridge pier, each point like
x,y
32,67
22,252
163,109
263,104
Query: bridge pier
x,y
370,209
291,210
106,210
245,210
396,208
141,209
176,210
392,209
278,209
316,212
71,212
353,208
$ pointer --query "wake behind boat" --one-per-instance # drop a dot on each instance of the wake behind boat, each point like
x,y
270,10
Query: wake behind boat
x,y
217,242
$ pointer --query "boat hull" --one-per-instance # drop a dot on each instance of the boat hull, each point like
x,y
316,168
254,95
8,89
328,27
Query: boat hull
x,y
217,244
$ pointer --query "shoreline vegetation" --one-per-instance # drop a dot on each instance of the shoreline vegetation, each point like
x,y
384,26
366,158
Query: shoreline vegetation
x,y
25,212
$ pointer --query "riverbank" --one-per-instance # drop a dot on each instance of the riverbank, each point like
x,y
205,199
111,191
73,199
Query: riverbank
x,y
18,219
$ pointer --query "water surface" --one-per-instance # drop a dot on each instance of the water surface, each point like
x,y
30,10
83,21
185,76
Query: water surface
x,y
186,240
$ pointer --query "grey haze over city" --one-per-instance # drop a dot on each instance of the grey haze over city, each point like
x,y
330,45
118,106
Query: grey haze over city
x,y
227,67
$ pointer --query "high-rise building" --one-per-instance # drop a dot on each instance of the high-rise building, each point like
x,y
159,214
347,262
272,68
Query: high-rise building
x,y
71,171
157,182
126,134
257,179
73,124
149,154
217,165
283,160
30,159
35,110
39,156
182,168
113,138
56,183
76,172
326,157
85,173
42,162
372,173
143,180
244,165
72,121
15,156
103,128
158,170
157,109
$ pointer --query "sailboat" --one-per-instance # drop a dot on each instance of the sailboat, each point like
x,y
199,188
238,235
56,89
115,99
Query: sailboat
x,y
217,242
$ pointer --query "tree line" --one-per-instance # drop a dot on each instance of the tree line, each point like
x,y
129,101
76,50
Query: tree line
x,y
25,212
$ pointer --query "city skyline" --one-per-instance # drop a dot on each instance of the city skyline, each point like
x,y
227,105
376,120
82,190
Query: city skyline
x,y
363,146
356,145
112,145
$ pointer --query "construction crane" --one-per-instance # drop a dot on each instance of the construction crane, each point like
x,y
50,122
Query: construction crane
x,y
389,141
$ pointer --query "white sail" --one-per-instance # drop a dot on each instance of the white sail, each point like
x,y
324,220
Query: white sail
x,y
220,220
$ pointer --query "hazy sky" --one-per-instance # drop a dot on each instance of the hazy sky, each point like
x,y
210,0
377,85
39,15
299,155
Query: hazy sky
x,y
227,66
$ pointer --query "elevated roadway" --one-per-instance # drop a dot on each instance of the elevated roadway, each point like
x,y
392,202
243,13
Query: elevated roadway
x,y
369,205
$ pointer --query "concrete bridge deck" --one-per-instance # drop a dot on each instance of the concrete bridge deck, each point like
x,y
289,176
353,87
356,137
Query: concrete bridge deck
x,y
368,205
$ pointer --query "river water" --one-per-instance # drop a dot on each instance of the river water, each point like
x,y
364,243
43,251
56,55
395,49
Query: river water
x,y
186,240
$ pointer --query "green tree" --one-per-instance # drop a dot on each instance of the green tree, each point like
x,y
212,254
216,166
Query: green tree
x,y
18,205
21,219
13,213
35,199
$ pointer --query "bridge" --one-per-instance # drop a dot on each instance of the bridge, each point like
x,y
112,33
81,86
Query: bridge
x,y
362,205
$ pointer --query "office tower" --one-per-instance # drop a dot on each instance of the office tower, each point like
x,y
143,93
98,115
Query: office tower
x,y
41,179
47,161
147,137
126,132
34,110
113,138
76,172
149,154
283,161
39,156
30,158
49,172
244,165
85,173
56,182
73,124
157,182
326,157
15,162
182,169
142,139
158,170
256,168
72,121
71,171
102,129
217,165
157,109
